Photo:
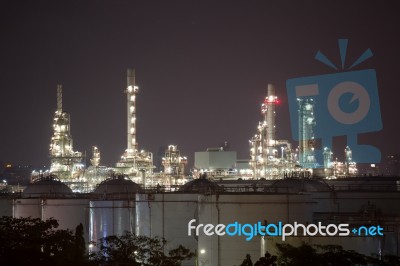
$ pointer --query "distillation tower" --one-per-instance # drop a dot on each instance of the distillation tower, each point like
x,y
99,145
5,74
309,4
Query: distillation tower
x,y
66,163
137,164
306,133
351,166
307,154
264,147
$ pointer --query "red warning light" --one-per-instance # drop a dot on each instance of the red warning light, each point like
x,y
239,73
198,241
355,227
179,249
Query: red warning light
x,y
275,101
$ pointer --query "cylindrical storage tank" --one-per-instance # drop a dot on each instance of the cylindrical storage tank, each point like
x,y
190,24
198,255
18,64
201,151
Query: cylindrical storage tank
x,y
27,208
6,206
113,210
111,217
30,203
166,215
246,209
143,215
50,198
68,212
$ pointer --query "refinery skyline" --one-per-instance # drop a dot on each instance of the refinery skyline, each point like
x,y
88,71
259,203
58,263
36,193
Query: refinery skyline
x,y
203,69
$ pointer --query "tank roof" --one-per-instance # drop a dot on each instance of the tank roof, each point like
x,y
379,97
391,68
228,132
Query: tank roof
x,y
295,185
117,184
200,185
49,186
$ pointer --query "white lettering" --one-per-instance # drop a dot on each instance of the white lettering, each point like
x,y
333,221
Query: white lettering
x,y
220,229
208,229
284,233
190,227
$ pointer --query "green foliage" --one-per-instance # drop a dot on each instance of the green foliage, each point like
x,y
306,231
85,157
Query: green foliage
x,y
336,255
177,255
130,249
267,260
293,256
31,241
80,245
321,255
247,261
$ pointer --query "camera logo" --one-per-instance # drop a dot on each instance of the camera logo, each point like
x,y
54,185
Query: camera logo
x,y
345,104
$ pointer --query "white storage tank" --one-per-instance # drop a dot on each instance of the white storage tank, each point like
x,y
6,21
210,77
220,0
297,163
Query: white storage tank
x,y
69,212
112,209
27,208
166,215
47,198
6,205
31,201
246,208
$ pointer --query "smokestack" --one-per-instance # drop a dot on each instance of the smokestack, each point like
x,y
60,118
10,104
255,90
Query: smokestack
x,y
131,92
59,97
130,77
271,90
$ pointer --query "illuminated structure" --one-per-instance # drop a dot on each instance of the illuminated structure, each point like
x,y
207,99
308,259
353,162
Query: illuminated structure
x,y
66,163
348,168
95,173
95,161
264,147
270,158
137,164
327,157
306,133
351,167
174,164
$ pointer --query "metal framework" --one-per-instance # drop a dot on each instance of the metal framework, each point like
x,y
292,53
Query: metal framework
x,y
66,163
264,147
134,163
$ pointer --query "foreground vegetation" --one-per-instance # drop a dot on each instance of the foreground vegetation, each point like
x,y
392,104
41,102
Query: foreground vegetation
x,y
319,255
30,241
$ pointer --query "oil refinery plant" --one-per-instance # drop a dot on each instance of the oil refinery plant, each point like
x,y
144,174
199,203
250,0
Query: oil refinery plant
x,y
278,183
270,157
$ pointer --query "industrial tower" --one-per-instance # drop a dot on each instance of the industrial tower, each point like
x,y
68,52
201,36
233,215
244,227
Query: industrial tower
x,y
306,133
133,162
264,147
66,163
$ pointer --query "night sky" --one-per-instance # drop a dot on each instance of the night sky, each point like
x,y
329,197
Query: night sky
x,y
202,68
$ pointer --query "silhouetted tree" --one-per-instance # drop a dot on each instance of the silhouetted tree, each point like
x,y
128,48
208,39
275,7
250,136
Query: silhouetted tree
x,y
391,260
134,250
267,260
302,255
247,261
80,244
321,255
337,256
31,241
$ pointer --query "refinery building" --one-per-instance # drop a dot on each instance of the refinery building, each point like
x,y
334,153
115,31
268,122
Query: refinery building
x,y
279,183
